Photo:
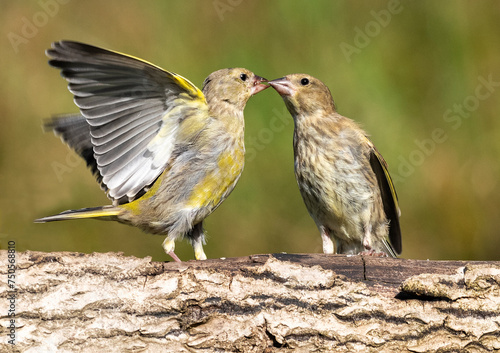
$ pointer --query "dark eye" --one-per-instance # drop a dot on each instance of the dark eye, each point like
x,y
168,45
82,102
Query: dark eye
x,y
304,81
243,77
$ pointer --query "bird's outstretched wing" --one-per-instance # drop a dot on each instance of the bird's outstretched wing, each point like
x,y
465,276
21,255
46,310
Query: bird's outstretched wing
x,y
133,109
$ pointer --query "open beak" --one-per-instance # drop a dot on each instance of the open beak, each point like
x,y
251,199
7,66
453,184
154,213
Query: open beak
x,y
283,86
259,84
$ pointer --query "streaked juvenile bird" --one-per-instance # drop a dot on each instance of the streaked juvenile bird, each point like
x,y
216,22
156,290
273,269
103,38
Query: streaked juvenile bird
x,y
342,178
166,153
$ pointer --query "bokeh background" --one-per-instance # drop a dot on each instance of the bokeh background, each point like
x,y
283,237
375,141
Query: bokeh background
x,y
422,77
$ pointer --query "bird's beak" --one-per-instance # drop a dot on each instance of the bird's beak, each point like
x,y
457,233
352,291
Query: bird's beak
x,y
259,84
283,86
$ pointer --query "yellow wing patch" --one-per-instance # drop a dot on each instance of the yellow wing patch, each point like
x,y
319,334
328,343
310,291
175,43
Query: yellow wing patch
x,y
135,206
213,187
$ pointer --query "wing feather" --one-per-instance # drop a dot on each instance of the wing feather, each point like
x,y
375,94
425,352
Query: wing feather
x,y
132,108
389,199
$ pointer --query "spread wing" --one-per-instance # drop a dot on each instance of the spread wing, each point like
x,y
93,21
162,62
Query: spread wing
x,y
389,199
133,109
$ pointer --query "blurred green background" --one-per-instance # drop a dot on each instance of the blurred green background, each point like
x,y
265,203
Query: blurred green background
x,y
422,77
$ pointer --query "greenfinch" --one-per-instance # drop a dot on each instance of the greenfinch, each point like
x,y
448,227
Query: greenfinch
x,y
342,178
166,153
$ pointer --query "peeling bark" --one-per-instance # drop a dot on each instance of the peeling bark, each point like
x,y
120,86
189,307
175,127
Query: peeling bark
x,y
265,303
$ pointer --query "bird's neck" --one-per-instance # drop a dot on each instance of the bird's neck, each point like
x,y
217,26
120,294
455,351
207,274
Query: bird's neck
x,y
229,118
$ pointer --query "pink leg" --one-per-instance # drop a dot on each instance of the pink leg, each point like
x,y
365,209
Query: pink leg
x,y
173,256
328,247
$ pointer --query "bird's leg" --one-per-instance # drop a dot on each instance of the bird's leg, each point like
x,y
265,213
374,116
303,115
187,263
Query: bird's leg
x,y
197,240
369,251
173,256
328,247
169,246
367,239
199,254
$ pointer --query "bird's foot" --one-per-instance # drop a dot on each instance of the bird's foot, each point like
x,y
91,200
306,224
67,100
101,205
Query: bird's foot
x,y
169,246
373,253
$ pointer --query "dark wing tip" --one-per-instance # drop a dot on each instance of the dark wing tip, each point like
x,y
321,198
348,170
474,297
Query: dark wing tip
x,y
68,49
389,199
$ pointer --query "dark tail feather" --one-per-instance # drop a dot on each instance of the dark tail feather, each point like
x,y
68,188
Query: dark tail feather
x,y
104,212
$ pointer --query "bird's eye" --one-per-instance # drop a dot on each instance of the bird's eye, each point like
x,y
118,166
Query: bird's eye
x,y
243,77
304,81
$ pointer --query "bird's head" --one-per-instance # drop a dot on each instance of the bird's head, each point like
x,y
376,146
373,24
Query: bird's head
x,y
303,94
234,86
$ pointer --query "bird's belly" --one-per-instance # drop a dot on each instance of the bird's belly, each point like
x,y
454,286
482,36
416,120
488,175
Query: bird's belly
x,y
341,203
180,202
218,182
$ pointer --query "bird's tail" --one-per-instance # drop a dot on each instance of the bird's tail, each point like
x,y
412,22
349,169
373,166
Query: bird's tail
x,y
388,248
104,213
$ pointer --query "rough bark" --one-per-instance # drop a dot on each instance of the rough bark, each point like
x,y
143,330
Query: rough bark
x,y
265,303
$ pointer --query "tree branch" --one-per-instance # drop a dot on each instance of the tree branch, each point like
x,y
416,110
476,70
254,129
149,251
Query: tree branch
x,y
274,303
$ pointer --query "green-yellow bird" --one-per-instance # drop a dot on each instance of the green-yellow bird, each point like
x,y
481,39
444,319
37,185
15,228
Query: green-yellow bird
x,y
166,153
342,177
